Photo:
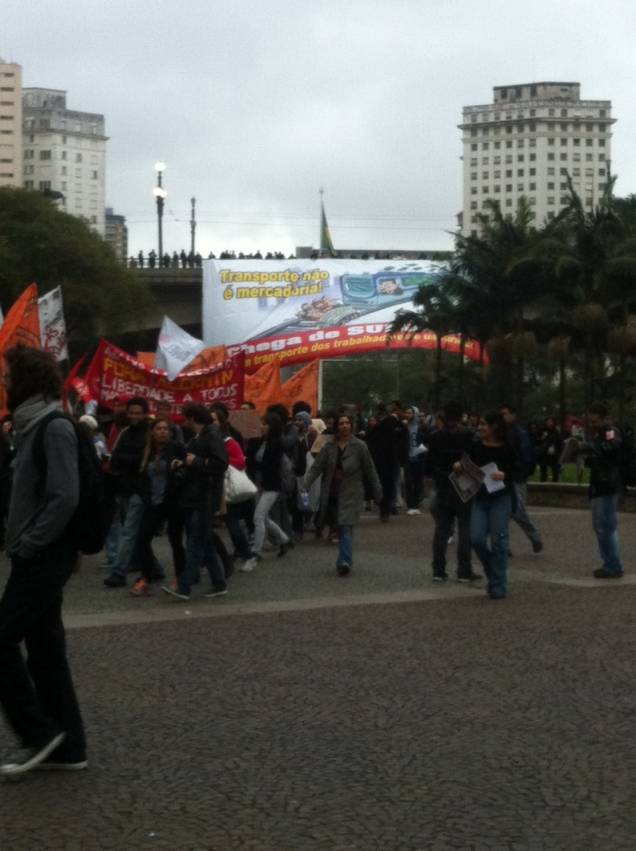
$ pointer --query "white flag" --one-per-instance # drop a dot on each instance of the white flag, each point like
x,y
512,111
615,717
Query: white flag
x,y
176,348
52,324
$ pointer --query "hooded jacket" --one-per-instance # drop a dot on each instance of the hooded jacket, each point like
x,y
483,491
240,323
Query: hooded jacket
x,y
39,512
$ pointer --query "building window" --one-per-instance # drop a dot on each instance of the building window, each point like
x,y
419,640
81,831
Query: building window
x,y
551,170
28,169
497,175
497,144
563,158
550,200
508,187
550,156
509,173
64,185
473,147
589,158
532,172
45,155
589,172
550,112
473,161
497,190
564,199
473,190
602,113
473,131
564,125
473,175
576,142
550,215
484,175
601,143
509,143
564,142
532,201
533,158
520,172
577,158
576,172
44,184
485,146
520,143
64,169
564,113
520,158
601,172
550,185
28,184
563,186
589,128
484,190
94,175
589,143
532,143
93,220
497,160
508,202
473,205
532,187
484,160
519,187
550,141
64,155
28,154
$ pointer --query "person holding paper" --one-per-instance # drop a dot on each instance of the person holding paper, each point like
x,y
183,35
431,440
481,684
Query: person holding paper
x,y
493,504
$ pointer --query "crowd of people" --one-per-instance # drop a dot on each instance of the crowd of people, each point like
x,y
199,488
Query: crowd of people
x,y
304,474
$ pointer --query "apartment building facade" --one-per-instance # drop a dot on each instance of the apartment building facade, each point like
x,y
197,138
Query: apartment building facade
x,y
10,124
65,152
526,143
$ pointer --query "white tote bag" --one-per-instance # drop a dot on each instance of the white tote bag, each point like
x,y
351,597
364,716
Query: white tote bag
x,y
238,486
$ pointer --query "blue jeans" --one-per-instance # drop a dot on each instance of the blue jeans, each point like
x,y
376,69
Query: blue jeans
x,y
113,537
200,551
489,519
606,525
345,545
129,538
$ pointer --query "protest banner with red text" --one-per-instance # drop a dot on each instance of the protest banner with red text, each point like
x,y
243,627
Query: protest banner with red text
x,y
113,372
303,346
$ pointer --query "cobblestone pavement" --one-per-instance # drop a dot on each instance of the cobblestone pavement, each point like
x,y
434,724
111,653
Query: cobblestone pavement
x,y
452,722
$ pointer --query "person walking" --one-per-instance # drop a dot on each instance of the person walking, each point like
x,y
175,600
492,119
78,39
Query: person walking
x,y
269,472
161,464
384,445
520,441
603,454
127,467
446,446
38,695
549,451
205,465
414,465
493,504
345,465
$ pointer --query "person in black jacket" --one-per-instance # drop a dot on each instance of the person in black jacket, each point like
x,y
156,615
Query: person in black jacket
x,y
604,454
493,504
161,465
446,446
549,451
127,468
205,465
269,462
384,444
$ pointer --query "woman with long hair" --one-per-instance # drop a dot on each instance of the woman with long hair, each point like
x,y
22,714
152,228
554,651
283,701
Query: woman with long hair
x,y
162,461
236,459
493,506
269,464
346,467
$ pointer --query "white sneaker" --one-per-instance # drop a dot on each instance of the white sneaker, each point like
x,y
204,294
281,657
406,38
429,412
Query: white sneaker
x,y
15,771
249,565
413,512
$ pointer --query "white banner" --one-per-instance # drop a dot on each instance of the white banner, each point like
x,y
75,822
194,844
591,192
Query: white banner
x,y
52,324
176,348
252,300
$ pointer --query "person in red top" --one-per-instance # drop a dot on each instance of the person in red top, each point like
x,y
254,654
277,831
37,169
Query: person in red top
x,y
236,459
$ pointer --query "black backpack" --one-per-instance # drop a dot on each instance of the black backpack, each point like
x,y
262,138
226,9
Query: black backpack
x,y
88,525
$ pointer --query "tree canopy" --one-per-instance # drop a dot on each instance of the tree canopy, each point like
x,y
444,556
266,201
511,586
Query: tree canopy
x,y
40,243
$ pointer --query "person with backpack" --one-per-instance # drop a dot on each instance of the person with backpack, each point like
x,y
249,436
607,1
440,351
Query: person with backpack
x,y
606,457
520,442
37,695
269,459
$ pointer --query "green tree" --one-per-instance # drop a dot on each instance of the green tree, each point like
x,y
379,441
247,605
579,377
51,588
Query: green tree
x,y
40,243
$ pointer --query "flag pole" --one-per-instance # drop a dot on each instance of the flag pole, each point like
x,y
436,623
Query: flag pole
x,y
320,387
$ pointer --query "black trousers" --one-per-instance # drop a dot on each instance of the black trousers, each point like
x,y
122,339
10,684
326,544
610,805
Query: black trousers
x,y
553,466
37,695
446,508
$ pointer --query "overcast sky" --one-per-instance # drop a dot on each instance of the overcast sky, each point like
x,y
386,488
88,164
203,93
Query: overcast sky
x,y
254,106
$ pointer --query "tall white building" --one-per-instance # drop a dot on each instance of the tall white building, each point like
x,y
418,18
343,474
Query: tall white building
x,y
526,142
10,124
65,152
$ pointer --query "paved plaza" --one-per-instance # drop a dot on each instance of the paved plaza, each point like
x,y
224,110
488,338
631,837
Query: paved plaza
x,y
377,712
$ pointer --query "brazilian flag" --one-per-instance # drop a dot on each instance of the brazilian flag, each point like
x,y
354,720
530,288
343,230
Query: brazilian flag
x,y
326,245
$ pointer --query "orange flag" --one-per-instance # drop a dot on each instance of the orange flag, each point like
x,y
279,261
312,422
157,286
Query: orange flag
x,y
208,357
303,385
21,325
263,386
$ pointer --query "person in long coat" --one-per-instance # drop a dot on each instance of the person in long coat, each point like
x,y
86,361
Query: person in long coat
x,y
346,466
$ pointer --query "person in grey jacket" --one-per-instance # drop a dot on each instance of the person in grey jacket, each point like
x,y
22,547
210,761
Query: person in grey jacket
x,y
38,696
346,466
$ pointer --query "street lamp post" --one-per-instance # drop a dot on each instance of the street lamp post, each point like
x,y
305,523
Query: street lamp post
x,y
160,194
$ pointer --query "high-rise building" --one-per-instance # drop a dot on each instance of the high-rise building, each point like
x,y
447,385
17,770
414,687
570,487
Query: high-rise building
x,y
116,234
10,124
527,142
65,152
